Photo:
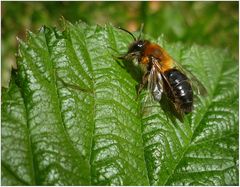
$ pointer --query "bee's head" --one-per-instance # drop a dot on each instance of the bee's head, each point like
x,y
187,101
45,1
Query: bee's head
x,y
136,48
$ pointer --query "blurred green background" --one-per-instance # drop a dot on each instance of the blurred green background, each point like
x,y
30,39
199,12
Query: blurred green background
x,y
204,23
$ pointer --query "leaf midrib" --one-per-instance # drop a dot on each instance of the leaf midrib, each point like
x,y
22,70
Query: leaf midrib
x,y
58,102
30,144
93,114
141,121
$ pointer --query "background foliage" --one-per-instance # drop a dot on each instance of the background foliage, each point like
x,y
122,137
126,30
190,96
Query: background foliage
x,y
205,23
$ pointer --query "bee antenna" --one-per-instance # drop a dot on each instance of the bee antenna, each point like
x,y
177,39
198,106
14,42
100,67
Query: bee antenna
x,y
141,30
128,33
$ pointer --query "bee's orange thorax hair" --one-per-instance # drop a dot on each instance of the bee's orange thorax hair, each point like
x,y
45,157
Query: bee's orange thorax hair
x,y
154,50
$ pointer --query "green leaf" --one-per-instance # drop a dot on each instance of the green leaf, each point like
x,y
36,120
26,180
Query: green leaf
x,y
71,117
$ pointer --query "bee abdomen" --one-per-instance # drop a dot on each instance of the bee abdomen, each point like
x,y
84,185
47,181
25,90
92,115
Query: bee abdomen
x,y
181,90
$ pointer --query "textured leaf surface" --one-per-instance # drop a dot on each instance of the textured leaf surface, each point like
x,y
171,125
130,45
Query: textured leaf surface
x,y
70,116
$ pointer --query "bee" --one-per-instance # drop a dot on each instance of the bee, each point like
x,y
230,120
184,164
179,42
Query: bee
x,y
163,75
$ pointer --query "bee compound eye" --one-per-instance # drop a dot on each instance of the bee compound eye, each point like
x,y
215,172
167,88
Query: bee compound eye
x,y
140,44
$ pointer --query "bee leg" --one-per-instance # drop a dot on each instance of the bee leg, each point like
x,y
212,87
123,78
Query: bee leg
x,y
140,87
179,113
142,84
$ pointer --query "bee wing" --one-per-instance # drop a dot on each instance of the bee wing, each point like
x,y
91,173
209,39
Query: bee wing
x,y
164,81
170,94
196,84
155,83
